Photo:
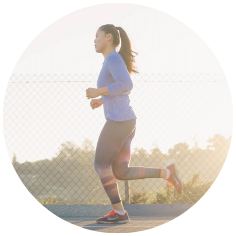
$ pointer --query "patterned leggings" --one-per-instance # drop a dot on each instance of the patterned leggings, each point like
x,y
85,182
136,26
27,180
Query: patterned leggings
x,y
112,157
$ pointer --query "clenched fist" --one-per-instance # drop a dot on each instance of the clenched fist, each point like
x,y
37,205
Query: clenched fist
x,y
92,93
95,103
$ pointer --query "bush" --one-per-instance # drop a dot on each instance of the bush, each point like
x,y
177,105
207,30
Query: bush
x,y
193,190
139,197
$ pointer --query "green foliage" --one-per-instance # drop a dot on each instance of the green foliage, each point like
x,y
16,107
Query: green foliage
x,y
139,197
71,176
193,190
91,201
49,200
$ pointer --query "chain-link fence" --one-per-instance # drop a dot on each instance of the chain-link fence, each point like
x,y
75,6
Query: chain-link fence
x,y
51,133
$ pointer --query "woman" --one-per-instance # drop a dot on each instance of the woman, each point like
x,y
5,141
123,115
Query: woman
x,y
112,155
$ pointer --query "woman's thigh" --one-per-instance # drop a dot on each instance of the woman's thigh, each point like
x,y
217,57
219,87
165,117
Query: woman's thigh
x,y
122,159
111,139
125,152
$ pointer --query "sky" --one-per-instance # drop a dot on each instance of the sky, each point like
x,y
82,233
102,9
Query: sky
x,y
42,114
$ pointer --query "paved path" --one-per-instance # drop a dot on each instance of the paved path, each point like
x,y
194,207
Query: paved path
x,y
136,224
142,217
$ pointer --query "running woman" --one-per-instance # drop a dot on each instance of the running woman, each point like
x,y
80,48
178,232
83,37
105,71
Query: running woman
x,y
112,156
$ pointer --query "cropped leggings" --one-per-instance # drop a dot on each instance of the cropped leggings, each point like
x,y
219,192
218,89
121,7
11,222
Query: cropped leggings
x,y
112,157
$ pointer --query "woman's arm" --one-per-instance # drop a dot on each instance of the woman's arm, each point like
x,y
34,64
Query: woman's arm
x,y
119,72
103,91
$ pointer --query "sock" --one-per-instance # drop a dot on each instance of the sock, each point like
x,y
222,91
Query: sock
x,y
167,173
120,212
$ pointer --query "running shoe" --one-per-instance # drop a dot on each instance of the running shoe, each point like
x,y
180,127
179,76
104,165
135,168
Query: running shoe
x,y
174,178
114,218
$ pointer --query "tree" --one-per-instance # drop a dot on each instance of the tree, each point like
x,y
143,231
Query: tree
x,y
15,163
216,142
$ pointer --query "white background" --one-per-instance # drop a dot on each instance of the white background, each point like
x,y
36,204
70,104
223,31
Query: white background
x,y
172,113
22,21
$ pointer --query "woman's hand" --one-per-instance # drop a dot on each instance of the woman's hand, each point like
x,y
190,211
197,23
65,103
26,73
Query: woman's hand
x,y
92,93
95,103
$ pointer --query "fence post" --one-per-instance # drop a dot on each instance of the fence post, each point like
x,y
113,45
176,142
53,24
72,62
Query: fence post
x,y
127,192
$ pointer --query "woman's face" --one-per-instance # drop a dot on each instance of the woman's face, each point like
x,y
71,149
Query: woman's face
x,y
101,41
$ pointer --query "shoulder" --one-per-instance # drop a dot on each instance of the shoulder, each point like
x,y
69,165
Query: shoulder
x,y
115,58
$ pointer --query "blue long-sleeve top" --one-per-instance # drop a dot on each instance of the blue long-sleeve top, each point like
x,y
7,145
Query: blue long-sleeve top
x,y
115,76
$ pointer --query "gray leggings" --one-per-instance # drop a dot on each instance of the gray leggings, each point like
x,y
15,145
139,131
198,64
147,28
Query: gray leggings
x,y
112,157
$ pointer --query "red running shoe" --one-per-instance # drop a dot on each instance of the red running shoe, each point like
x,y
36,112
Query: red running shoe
x,y
114,218
174,178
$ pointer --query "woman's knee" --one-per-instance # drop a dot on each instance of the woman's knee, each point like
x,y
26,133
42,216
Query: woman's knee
x,y
100,168
120,170
97,166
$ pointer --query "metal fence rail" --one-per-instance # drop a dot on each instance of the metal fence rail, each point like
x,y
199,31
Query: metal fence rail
x,y
51,133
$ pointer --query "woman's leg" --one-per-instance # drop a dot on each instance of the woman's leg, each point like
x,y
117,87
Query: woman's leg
x,y
111,140
122,170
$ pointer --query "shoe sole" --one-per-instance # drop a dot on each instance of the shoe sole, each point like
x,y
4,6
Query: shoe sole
x,y
113,222
176,170
177,174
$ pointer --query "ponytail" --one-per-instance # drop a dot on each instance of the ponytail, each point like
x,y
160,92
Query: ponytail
x,y
125,50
